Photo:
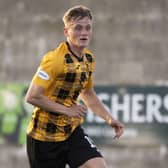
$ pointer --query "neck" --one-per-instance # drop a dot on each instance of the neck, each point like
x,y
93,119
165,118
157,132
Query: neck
x,y
76,50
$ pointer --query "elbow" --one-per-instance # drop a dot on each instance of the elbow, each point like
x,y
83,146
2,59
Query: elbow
x,y
34,95
29,99
87,94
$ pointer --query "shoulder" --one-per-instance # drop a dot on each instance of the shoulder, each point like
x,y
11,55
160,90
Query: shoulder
x,y
55,55
53,60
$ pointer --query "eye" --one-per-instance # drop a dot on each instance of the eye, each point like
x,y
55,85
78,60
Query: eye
x,y
88,27
78,27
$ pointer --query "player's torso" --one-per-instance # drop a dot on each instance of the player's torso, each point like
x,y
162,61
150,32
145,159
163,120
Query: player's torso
x,y
65,90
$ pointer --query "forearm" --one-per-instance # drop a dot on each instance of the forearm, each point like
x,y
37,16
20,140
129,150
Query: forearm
x,y
47,104
93,102
36,97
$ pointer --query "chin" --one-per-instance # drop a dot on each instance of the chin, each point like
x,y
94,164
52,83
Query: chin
x,y
83,45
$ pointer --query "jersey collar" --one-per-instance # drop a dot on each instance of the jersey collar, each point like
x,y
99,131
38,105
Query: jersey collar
x,y
69,48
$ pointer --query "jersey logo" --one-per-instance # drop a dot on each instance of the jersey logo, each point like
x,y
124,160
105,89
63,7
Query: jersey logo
x,y
43,75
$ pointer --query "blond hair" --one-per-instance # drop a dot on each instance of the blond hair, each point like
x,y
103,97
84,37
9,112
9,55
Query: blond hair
x,y
75,12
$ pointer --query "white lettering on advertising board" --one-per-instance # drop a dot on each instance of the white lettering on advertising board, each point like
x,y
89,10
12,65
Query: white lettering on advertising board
x,y
134,108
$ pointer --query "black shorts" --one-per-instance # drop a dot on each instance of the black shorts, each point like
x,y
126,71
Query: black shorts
x,y
74,151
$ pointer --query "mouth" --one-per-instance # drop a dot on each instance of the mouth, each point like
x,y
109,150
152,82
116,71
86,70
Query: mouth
x,y
83,39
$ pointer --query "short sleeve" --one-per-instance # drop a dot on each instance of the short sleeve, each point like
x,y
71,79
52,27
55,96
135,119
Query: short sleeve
x,y
46,72
90,83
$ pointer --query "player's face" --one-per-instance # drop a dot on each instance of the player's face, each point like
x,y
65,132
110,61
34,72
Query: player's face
x,y
79,32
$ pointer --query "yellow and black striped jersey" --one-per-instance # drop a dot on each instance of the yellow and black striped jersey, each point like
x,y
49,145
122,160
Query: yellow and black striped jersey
x,y
62,75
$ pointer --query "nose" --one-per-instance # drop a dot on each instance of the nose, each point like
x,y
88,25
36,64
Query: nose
x,y
84,31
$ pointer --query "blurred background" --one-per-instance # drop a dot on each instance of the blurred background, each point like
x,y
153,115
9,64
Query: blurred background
x,y
130,42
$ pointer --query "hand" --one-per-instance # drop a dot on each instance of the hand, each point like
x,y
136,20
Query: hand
x,y
118,128
77,111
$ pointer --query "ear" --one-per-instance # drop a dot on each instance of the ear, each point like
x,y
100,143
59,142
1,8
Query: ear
x,y
66,32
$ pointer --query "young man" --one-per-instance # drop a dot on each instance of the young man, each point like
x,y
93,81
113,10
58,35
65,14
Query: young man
x,y
54,135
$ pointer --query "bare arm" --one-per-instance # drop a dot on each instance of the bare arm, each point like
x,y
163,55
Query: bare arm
x,y
36,97
92,101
